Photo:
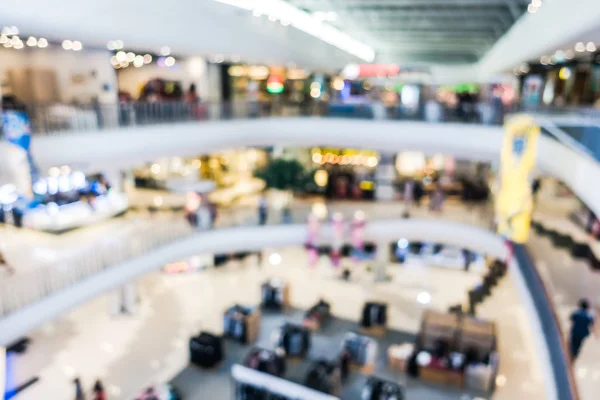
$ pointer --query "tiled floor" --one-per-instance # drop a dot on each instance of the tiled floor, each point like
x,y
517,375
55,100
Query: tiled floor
x,y
130,352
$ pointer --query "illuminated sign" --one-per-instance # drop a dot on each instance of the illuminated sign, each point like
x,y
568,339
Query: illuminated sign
x,y
275,84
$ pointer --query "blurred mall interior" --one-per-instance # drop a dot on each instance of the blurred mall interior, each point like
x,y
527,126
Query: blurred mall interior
x,y
299,200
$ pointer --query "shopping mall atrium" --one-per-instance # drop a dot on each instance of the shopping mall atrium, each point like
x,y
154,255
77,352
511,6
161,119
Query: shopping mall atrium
x,y
300,199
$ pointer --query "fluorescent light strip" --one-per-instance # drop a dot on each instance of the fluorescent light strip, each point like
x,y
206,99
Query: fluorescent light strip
x,y
305,22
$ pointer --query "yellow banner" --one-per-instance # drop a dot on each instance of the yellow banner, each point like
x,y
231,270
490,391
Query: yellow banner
x,y
514,202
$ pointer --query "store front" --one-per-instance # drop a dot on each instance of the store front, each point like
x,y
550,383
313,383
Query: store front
x,y
571,82
59,89
345,173
230,172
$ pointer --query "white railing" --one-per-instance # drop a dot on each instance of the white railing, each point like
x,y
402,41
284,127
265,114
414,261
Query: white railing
x,y
39,281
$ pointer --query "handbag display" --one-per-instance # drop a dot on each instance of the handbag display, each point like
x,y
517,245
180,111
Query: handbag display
x,y
267,361
274,294
374,314
362,349
294,340
317,315
325,376
379,389
206,350
241,323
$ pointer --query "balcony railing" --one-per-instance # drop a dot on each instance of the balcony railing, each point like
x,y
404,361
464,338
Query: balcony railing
x,y
61,118
39,281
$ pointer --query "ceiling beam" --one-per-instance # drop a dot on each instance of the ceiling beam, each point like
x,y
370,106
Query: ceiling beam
x,y
406,3
514,8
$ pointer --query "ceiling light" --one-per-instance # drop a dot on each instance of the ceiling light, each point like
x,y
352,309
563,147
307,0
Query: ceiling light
x,y
275,259
31,41
536,3
235,59
169,61
147,58
130,56
114,61
544,60
111,45
306,23
165,50
77,45
580,47
121,56
119,44
67,44
532,9
569,54
42,43
591,47
3,38
15,39
424,298
8,44
138,61
18,45
524,68
14,30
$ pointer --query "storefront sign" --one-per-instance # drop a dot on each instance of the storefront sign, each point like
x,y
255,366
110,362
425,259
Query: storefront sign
x,y
355,71
514,203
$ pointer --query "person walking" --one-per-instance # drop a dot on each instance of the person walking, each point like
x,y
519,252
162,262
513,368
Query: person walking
x,y
437,198
263,206
98,390
78,389
582,322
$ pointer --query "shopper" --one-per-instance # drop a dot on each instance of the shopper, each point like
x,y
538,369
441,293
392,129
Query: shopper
x,y
5,265
78,389
582,322
286,215
98,390
263,208
535,188
409,193
437,198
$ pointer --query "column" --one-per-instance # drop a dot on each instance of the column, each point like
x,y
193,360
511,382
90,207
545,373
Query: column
x,y
382,260
385,175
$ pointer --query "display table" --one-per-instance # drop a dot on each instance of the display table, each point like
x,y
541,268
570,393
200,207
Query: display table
x,y
442,376
398,356
457,350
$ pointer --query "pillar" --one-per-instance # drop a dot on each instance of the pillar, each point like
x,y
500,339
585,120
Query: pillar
x,y
385,176
382,260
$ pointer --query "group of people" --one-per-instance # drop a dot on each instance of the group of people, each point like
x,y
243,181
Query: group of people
x,y
98,392
414,193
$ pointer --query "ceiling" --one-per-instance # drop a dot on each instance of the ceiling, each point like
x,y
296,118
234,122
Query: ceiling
x,y
430,31
188,27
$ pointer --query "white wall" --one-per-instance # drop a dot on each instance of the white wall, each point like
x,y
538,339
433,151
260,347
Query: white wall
x,y
186,71
93,65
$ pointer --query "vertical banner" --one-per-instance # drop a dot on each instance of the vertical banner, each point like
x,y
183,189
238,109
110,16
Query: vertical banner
x,y
312,241
514,202
358,235
337,222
